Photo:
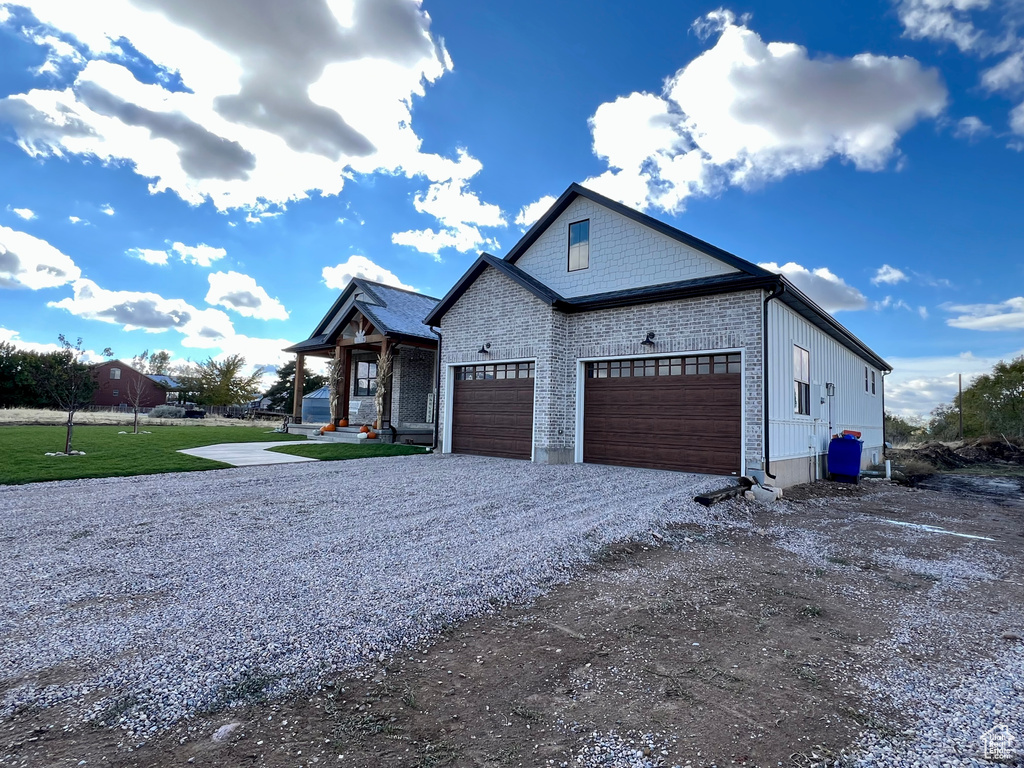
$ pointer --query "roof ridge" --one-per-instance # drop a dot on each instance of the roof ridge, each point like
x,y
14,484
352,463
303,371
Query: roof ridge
x,y
396,288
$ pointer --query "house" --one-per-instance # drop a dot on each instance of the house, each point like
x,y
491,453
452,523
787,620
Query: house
x,y
608,336
365,321
117,384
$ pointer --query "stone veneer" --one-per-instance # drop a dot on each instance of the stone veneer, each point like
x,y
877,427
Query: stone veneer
x,y
518,326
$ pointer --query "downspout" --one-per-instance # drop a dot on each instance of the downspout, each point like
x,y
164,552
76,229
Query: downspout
x,y
883,410
437,386
775,293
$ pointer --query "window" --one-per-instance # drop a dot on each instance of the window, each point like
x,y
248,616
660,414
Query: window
x,y
665,366
366,379
801,381
579,245
115,373
866,379
114,393
486,371
872,382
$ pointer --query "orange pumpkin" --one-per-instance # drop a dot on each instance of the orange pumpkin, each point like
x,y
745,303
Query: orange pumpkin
x,y
364,428
371,435
375,424
343,423
328,428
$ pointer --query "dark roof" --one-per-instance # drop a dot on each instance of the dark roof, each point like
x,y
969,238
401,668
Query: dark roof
x,y
575,190
530,283
393,312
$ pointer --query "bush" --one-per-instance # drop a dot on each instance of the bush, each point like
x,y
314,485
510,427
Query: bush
x,y
167,412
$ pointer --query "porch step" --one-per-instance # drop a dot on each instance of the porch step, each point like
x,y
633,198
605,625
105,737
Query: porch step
x,y
342,436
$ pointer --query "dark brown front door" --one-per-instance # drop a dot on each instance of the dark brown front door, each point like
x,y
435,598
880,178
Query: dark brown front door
x,y
492,410
680,413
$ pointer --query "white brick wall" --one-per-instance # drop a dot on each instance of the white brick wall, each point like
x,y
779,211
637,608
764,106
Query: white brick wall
x,y
623,254
519,326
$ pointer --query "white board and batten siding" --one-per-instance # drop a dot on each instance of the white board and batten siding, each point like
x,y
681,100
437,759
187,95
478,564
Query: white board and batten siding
x,y
793,435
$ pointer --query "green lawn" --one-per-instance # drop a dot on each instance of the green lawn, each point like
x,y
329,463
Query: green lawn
x,y
108,454
342,451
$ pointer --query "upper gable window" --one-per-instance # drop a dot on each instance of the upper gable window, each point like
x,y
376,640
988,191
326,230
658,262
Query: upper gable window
x,y
115,373
579,245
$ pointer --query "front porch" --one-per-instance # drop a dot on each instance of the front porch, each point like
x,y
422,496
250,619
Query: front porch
x,y
367,324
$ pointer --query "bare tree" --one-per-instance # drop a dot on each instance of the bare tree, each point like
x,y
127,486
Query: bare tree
x,y
136,393
68,381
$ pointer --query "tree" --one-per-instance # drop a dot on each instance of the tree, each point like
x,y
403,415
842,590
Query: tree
x,y
68,381
136,393
19,375
282,393
384,361
899,430
220,382
993,404
158,363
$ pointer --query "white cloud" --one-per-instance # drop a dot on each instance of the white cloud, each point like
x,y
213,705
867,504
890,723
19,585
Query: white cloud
x,y
888,275
745,112
945,20
149,255
150,312
204,255
979,28
529,214
242,294
824,287
923,312
108,209
460,212
77,220
918,384
14,338
25,213
338,277
28,262
278,102
971,128
1005,316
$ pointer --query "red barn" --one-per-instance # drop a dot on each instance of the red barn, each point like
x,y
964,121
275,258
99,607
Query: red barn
x,y
117,383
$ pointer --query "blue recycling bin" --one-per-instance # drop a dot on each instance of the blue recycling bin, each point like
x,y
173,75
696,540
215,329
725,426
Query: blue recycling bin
x,y
844,459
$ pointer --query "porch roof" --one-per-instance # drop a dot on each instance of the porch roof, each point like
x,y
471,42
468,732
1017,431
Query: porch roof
x,y
394,312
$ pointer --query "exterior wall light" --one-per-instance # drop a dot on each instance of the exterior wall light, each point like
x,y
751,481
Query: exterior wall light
x,y
485,349
649,341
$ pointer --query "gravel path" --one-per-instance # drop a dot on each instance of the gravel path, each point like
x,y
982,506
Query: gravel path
x,y
138,601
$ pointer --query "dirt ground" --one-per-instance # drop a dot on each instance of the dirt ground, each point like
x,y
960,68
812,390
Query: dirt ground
x,y
746,644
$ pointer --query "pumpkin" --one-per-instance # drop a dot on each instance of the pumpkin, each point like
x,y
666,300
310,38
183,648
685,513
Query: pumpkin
x,y
371,435
343,423
328,428
364,428
375,424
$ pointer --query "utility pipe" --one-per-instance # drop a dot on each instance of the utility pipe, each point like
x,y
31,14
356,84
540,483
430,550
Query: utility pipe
x,y
775,293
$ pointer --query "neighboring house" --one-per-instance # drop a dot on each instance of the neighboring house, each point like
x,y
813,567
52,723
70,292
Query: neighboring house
x,y
607,336
366,319
117,382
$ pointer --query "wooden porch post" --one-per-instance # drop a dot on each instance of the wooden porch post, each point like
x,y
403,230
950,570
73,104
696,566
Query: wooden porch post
x,y
346,381
300,380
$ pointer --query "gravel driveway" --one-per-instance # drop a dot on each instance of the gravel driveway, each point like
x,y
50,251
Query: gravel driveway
x,y
137,601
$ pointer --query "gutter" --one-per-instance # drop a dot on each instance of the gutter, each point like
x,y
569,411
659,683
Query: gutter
x,y
437,386
776,292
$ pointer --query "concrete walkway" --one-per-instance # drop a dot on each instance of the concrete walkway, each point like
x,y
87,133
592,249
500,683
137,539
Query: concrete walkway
x,y
246,454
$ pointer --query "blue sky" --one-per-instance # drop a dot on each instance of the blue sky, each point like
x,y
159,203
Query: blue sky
x,y
204,177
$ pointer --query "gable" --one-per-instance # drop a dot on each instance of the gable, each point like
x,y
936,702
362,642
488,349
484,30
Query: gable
x,y
624,254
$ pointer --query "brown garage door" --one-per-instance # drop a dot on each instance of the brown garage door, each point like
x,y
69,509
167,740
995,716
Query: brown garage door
x,y
492,410
681,413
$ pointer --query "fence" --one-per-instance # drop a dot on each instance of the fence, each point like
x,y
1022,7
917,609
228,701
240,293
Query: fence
x,y
228,411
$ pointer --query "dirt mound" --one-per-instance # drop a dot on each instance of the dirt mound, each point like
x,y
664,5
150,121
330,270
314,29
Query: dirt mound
x,y
941,456
988,449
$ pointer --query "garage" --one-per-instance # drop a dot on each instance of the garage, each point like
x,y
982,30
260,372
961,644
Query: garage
x,y
681,413
492,409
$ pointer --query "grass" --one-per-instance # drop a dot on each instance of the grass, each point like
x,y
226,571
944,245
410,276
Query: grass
x,y
342,451
109,454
